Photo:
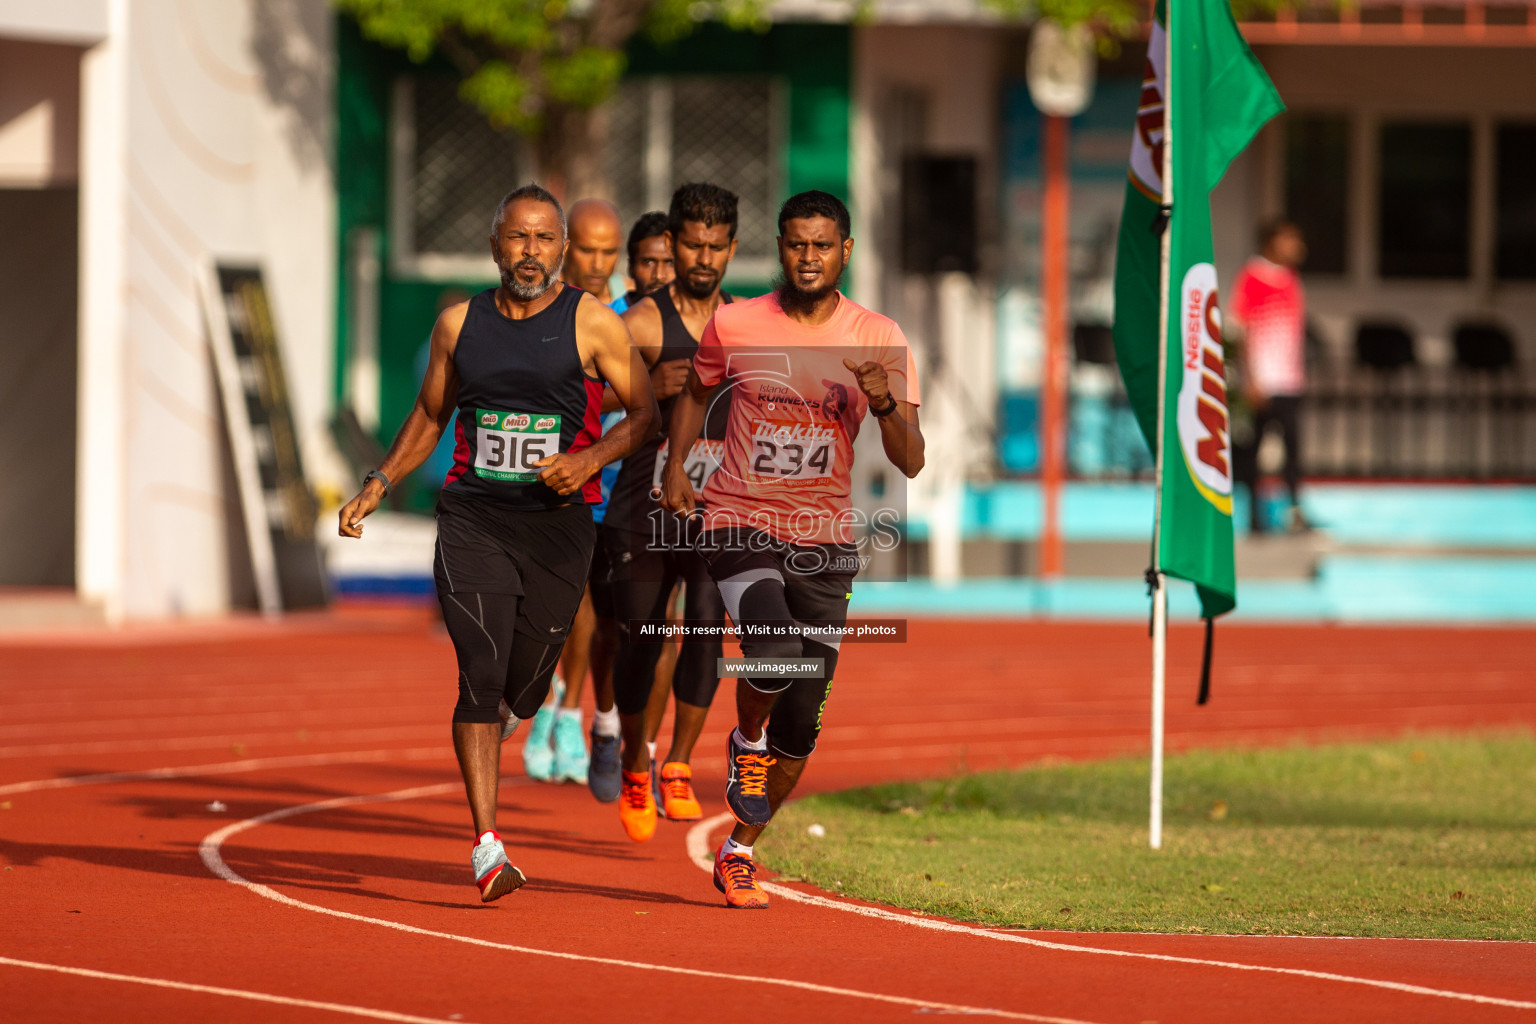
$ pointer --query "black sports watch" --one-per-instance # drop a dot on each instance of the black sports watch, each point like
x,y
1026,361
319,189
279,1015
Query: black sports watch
x,y
380,477
883,413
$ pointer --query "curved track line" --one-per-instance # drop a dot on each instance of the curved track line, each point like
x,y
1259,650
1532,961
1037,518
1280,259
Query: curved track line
x,y
700,853
219,990
214,860
252,764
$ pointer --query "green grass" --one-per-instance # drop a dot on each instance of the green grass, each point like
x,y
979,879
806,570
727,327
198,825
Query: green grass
x,y
1428,836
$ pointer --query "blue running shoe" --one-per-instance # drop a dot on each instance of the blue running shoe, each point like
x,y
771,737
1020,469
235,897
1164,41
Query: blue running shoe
x,y
571,758
746,785
538,755
603,770
656,789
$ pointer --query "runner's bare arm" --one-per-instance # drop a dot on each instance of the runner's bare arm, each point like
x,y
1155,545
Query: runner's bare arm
x,y
423,426
687,423
606,352
644,322
900,434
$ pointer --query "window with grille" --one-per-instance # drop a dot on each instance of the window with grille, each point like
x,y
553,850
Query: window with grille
x,y
450,168
1317,187
1425,200
1515,201
663,132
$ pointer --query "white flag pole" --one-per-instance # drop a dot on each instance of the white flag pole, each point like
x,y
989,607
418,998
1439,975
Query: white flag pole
x,y
1159,585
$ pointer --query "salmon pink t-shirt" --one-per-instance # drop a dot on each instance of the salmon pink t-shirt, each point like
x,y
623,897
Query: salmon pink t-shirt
x,y
795,411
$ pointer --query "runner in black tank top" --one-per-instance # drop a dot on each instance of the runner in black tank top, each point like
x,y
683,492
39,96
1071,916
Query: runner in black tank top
x,y
523,396
524,365
647,551
632,504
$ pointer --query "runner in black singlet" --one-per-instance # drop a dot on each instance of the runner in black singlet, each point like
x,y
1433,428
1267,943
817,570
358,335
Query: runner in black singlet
x,y
524,365
555,750
646,550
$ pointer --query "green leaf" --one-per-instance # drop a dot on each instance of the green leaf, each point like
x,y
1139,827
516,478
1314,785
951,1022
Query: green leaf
x,y
503,96
585,78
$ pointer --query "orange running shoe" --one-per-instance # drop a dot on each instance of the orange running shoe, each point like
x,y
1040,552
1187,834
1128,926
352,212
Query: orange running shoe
x,y
736,876
678,802
637,806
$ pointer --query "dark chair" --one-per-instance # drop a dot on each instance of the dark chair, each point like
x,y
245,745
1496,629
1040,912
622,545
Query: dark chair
x,y
1382,345
1385,350
1486,397
1093,343
1483,346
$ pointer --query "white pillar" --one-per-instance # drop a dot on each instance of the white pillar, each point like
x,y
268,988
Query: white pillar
x,y
101,415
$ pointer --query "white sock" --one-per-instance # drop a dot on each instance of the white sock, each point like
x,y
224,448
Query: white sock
x,y
488,836
606,723
568,713
761,743
732,846
651,746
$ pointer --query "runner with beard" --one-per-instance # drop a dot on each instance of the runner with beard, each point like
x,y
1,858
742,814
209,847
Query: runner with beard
x,y
524,365
644,541
555,750
803,367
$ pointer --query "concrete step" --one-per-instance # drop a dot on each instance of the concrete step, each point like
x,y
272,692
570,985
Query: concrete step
x,y
24,609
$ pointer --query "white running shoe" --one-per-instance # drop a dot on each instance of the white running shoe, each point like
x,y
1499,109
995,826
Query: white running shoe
x,y
494,874
509,721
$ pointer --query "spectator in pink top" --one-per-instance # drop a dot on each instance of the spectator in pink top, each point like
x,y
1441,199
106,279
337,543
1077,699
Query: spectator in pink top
x,y
1268,316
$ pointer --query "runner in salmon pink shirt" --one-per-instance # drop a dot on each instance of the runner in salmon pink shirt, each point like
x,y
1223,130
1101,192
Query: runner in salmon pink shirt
x,y
802,368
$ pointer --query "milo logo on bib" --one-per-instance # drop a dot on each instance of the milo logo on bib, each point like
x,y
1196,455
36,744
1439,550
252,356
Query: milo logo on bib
x,y
509,445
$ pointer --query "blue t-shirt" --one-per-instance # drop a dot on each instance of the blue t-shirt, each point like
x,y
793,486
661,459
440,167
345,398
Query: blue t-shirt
x,y
610,472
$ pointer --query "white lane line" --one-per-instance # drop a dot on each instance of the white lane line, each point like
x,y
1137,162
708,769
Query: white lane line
x,y
252,764
700,853
377,735
213,858
219,990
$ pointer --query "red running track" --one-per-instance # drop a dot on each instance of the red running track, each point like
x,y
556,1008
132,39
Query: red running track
x,y
353,898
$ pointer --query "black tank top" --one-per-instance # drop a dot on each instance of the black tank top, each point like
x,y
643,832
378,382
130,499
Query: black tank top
x,y
630,501
523,395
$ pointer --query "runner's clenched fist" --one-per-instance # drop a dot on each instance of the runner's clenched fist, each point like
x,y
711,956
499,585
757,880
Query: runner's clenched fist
x,y
871,378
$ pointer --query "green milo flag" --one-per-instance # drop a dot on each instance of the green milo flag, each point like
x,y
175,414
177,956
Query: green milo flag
x,y
1220,98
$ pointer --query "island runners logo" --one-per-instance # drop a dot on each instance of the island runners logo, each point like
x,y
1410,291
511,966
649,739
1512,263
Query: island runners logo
x,y
488,419
1147,142
545,423
516,421
1204,426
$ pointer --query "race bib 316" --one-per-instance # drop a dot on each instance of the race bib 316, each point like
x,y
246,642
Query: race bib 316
x,y
510,444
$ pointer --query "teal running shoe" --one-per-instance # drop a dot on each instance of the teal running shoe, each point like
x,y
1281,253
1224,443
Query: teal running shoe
x,y
571,758
538,755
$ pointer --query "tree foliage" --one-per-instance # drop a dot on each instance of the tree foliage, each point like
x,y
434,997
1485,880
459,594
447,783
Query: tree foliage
x,y
522,60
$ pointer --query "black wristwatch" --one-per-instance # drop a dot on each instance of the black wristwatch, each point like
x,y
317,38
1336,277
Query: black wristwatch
x,y
883,413
380,477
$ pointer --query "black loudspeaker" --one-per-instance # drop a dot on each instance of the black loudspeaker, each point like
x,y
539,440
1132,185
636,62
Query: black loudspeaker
x,y
938,214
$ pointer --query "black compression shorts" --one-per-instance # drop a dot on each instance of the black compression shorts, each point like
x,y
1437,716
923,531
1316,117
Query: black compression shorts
x,y
510,582
769,583
600,577
643,575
